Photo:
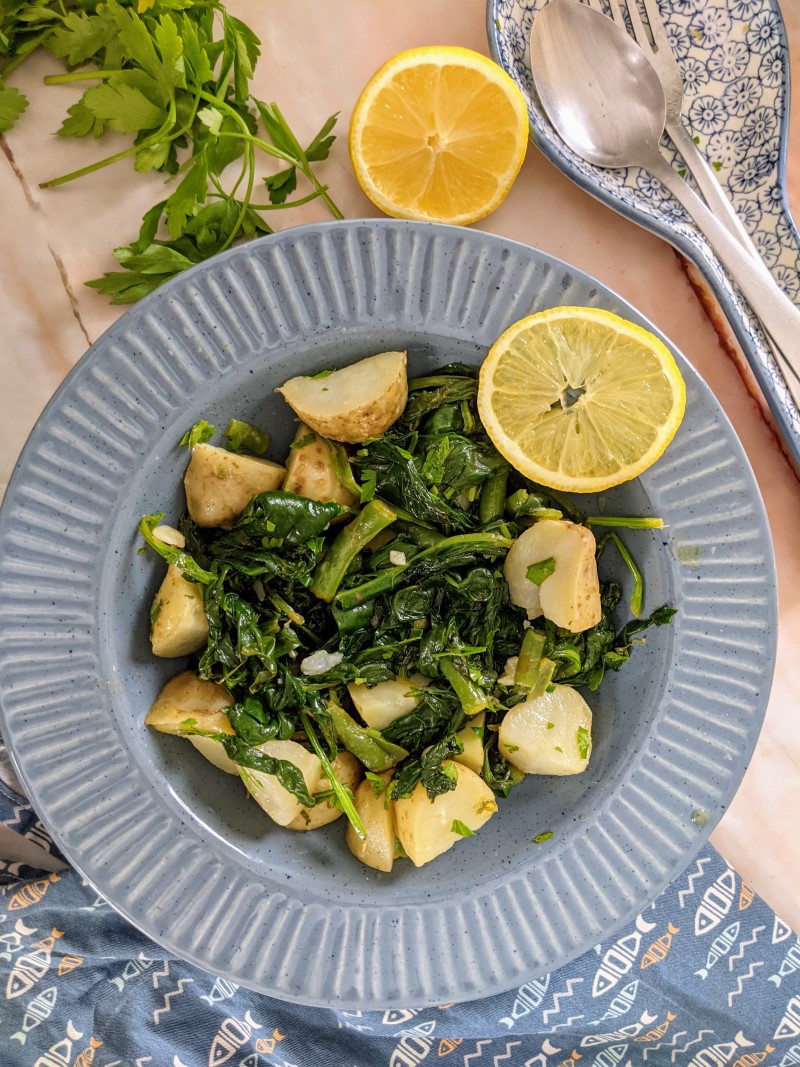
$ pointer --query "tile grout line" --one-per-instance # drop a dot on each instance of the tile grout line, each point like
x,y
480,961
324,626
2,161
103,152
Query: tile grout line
x,y
35,206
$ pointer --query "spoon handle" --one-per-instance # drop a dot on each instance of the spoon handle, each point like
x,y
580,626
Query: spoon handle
x,y
779,316
724,210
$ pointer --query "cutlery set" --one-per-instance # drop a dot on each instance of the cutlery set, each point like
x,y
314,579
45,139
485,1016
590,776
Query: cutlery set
x,y
611,88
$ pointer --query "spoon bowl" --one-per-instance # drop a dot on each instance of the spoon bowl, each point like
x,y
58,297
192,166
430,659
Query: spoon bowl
x,y
596,85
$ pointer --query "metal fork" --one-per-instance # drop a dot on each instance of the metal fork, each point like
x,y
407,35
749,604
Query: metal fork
x,y
659,52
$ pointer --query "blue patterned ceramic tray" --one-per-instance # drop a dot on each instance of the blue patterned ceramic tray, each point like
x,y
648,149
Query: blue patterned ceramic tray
x,y
734,61
163,835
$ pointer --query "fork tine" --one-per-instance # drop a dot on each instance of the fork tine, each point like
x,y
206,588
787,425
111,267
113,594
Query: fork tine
x,y
639,32
616,14
657,27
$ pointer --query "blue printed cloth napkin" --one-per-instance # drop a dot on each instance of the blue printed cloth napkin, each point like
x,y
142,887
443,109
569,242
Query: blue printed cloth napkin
x,y
707,976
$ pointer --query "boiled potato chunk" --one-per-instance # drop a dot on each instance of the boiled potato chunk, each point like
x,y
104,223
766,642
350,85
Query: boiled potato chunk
x,y
186,700
310,471
354,403
376,812
220,484
281,805
570,596
550,734
348,771
424,826
472,739
383,703
179,625
214,753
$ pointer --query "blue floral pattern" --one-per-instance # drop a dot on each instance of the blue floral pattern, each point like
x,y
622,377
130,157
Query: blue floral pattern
x,y
734,62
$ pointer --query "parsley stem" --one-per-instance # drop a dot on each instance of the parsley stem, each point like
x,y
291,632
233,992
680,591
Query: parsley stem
x,y
251,167
81,76
298,202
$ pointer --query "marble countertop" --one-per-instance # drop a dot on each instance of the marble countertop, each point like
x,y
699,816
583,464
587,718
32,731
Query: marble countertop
x,y
315,60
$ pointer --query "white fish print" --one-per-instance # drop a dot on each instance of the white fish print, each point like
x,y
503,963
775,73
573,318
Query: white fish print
x,y
528,997
622,1002
716,903
38,1009
222,989
617,961
789,964
720,947
792,1057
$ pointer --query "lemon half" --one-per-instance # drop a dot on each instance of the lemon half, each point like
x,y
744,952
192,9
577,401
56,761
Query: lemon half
x,y
580,399
438,134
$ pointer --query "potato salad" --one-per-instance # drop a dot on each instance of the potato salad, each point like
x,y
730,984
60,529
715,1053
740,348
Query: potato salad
x,y
391,626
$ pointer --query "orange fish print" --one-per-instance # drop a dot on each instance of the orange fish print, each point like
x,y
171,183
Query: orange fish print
x,y
32,893
573,1057
31,966
751,1059
69,963
746,897
267,1044
86,1058
660,947
448,1045
657,1031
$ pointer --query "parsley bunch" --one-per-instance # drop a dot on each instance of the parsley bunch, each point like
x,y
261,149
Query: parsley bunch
x,y
175,75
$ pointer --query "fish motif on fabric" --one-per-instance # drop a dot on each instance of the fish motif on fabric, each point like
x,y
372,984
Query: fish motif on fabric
x,y
722,1053
617,961
753,1059
32,966
746,896
789,964
791,1057
611,1056
659,950
716,903
789,1026
221,990
31,893
720,947
528,997
132,969
658,1031
37,1010
411,1050
266,1045
60,1053
230,1037
448,1045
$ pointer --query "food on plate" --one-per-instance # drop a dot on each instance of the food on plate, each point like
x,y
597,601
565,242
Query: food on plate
x,y
428,828
220,484
354,403
551,570
579,399
178,623
396,631
438,134
548,734
311,469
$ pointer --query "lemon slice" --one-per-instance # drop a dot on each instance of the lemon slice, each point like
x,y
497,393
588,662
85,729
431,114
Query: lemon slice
x,y
580,399
438,134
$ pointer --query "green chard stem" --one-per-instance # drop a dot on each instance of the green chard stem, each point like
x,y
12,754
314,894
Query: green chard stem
x,y
339,791
375,516
473,698
481,543
493,498
534,670
637,593
626,522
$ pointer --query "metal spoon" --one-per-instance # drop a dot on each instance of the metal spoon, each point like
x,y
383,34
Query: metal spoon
x,y
606,101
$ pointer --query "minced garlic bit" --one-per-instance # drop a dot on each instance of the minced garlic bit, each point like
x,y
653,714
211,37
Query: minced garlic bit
x,y
397,559
170,536
320,662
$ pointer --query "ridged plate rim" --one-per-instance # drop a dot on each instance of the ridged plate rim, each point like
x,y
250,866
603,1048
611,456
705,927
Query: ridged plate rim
x,y
130,845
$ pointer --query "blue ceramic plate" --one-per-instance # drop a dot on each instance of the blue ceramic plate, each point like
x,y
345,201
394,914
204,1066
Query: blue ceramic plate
x,y
172,843
734,61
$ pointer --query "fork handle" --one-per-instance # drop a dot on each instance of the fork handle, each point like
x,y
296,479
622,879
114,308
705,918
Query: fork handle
x,y
709,186
779,316
722,207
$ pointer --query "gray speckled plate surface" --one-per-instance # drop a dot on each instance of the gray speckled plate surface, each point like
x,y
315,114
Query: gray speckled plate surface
x,y
171,842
